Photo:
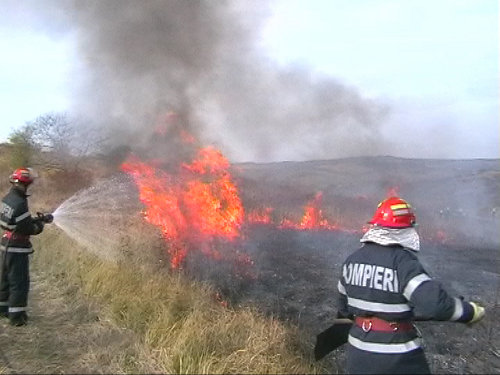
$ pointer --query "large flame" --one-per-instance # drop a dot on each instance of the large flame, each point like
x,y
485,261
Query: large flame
x,y
197,205
212,203
193,207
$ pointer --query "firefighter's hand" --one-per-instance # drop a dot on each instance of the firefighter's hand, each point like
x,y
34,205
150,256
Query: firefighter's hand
x,y
479,313
39,226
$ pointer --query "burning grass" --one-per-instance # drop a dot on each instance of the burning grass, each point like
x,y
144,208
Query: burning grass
x,y
192,206
179,321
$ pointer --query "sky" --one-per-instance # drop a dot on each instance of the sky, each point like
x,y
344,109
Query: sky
x,y
34,77
434,63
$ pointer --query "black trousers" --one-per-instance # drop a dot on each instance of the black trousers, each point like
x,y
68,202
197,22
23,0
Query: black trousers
x,y
14,282
363,362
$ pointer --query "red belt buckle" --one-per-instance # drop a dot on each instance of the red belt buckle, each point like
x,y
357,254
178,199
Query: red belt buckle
x,y
394,325
376,324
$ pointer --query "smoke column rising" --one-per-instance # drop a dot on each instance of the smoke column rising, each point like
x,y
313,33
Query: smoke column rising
x,y
141,59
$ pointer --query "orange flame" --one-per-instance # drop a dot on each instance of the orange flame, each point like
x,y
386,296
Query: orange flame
x,y
198,204
159,196
262,216
194,207
312,218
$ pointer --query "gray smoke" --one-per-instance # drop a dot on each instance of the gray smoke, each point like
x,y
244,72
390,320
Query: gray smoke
x,y
295,115
141,59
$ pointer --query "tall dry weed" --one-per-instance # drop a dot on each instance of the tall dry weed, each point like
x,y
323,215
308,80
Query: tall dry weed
x,y
181,323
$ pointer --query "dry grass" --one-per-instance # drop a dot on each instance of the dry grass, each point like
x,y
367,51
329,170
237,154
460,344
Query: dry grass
x,y
179,322
67,333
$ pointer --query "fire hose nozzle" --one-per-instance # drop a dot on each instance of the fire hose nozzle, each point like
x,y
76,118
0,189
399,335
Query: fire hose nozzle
x,y
46,218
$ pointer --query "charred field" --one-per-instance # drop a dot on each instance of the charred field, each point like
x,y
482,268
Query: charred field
x,y
294,272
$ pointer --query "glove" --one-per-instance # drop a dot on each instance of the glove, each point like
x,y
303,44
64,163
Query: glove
x,y
40,225
478,313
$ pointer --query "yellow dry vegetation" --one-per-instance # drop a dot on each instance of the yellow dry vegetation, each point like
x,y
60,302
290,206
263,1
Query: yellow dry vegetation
x,y
181,324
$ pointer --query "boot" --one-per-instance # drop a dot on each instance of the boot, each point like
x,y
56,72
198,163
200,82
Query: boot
x,y
18,318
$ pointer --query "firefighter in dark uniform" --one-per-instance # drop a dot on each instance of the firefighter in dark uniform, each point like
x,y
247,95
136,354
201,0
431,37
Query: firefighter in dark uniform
x,y
15,246
384,288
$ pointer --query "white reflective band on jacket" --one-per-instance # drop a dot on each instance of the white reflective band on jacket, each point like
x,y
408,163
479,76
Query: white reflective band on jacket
x,y
17,309
17,249
341,288
385,348
378,306
22,216
4,303
413,284
7,226
17,220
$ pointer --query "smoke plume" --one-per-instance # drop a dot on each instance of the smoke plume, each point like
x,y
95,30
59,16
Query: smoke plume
x,y
142,59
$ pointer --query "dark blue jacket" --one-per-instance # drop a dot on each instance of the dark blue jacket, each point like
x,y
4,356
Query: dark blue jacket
x,y
17,222
390,283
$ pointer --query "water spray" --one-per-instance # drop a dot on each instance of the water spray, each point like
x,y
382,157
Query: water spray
x,y
98,217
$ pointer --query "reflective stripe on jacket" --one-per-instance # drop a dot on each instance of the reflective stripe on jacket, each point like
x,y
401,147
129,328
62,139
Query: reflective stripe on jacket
x,y
16,219
390,283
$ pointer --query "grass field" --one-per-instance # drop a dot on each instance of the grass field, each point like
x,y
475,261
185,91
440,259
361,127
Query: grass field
x,y
180,324
128,313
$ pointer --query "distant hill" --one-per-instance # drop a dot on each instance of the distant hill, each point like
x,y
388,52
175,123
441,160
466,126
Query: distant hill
x,y
465,192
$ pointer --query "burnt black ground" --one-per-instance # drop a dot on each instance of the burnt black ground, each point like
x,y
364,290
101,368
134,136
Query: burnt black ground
x,y
296,273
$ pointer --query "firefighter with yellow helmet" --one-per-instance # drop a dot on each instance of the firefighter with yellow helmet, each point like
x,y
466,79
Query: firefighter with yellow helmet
x,y
384,288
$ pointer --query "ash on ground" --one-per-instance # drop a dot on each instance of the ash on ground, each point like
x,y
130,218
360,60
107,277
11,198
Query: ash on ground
x,y
294,277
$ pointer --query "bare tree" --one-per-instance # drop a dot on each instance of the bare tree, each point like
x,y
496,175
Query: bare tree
x,y
62,141
21,148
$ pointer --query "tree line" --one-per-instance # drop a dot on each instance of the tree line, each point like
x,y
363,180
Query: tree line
x,y
69,149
